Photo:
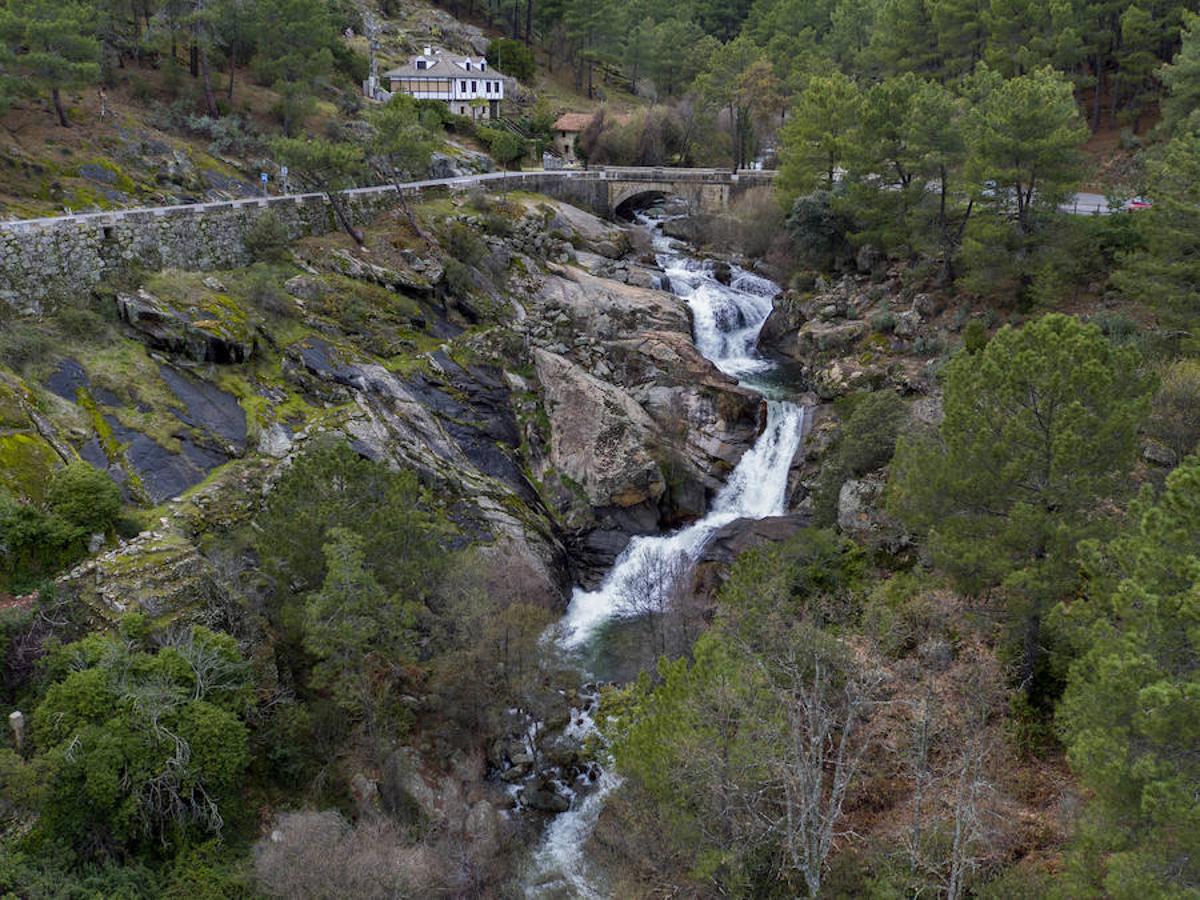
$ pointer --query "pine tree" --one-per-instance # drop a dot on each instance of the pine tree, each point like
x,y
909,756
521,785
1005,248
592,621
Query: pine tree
x,y
1025,135
54,44
294,52
905,39
1040,425
326,166
1166,271
1182,78
818,138
360,636
1130,716
961,34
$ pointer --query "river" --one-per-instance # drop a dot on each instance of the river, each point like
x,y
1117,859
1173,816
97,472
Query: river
x,y
726,322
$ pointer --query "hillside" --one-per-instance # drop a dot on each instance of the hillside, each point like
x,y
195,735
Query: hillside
x,y
811,509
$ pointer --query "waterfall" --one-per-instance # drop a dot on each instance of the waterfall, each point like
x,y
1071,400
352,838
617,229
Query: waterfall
x,y
756,489
726,323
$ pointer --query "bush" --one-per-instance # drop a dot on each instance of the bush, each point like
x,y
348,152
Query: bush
x,y
349,62
869,435
505,147
267,295
866,442
819,230
1175,414
85,498
497,225
1117,327
227,135
461,242
975,337
459,280
900,616
267,239
33,545
883,323
319,854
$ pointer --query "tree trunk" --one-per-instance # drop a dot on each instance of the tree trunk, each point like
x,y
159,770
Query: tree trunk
x,y
194,59
528,23
58,107
336,202
210,99
232,70
1030,652
409,215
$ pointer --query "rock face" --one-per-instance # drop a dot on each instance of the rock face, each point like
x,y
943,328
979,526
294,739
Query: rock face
x,y
214,332
597,435
615,425
860,513
734,539
859,333
642,428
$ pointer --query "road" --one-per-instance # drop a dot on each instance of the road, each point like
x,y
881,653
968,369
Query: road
x,y
1083,204
1086,204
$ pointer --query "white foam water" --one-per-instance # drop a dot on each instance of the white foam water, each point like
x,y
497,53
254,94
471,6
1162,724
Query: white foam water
x,y
726,323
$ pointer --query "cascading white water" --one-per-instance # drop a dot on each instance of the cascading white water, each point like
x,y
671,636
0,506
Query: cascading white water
x,y
756,489
727,320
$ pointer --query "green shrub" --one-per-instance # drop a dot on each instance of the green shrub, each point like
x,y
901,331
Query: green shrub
x,y
820,231
505,147
975,337
1117,327
869,435
497,225
267,239
1175,413
883,322
461,242
142,744
84,497
900,616
458,277
267,294
866,442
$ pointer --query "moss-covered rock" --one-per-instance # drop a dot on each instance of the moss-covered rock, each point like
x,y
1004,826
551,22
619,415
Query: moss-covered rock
x,y
26,462
211,328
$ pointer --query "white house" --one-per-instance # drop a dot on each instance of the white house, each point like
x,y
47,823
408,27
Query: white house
x,y
465,84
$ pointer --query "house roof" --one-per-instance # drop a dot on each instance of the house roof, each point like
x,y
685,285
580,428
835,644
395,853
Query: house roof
x,y
438,66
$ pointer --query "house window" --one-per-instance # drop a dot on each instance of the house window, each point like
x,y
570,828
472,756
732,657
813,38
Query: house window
x,y
462,86
474,87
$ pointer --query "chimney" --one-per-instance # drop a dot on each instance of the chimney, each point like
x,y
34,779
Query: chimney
x,y
429,51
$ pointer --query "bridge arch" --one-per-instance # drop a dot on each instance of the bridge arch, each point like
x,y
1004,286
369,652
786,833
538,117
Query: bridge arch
x,y
637,200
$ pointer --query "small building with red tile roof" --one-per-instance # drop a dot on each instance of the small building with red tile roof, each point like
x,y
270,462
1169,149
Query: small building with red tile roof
x,y
569,126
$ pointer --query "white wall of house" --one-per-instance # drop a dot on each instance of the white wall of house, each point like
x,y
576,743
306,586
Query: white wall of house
x,y
466,85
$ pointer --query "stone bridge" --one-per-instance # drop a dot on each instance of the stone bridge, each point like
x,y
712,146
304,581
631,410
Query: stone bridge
x,y
63,256
613,191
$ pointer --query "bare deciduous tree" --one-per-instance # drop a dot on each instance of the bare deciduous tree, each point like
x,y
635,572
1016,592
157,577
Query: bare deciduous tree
x,y
656,593
311,855
826,699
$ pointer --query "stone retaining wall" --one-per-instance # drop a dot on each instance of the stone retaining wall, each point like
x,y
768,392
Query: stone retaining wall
x,y
58,259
